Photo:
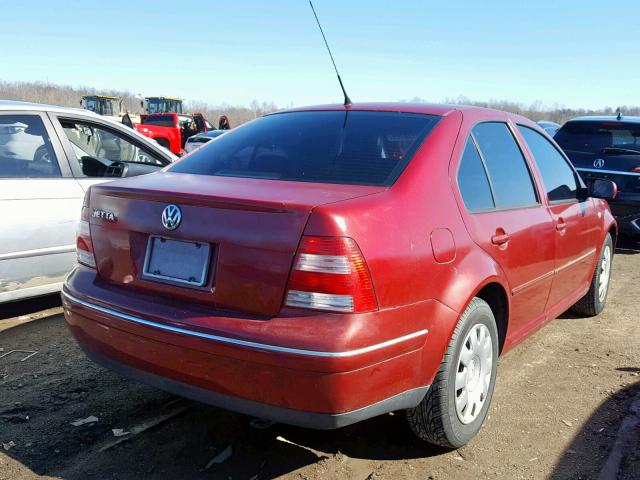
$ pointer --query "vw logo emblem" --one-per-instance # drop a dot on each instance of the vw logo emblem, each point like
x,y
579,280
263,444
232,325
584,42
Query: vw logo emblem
x,y
171,217
598,163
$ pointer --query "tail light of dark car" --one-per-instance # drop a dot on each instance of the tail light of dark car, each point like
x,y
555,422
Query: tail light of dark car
x,y
330,273
84,246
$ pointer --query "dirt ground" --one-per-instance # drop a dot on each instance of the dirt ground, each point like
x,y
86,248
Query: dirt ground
x,y
566,406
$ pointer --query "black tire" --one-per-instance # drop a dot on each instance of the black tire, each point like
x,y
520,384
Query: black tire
x,y
435,419
591,304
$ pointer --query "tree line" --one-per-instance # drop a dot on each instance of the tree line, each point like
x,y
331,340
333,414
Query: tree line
x,y
68,96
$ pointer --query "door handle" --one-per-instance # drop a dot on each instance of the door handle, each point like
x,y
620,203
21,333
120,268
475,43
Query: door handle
x,y
500,239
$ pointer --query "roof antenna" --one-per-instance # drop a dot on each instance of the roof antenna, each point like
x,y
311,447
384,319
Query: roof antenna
x,y
619,112
347,100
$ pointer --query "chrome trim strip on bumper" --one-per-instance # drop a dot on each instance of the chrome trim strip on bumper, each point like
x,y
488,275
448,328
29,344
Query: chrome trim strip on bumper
x,y
38,252
610,172
245,343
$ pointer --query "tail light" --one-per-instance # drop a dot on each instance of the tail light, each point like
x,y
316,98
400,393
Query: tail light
x,y
636,170
84,246
330,273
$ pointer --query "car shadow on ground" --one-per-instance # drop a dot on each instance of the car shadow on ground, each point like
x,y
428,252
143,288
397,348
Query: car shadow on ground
x,y
608,444
43,395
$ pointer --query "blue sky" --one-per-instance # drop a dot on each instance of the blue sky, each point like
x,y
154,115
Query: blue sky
x,y
572,53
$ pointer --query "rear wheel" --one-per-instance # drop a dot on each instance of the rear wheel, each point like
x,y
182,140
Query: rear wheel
x,y
454,408
594,301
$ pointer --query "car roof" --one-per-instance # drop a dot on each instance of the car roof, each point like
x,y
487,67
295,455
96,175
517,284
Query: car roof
x,y
41,107
11,105
622,119
407,107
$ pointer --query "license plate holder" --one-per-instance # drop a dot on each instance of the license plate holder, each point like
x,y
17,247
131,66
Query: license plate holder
x,y
177,261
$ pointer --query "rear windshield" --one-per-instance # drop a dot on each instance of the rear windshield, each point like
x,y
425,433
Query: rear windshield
x,y
593,137
362,148
160,120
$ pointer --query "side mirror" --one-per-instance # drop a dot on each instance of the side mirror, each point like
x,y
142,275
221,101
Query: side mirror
x,y
605,189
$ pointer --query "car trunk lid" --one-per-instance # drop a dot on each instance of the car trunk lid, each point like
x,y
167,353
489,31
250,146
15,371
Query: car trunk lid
x,y
616,167
251,228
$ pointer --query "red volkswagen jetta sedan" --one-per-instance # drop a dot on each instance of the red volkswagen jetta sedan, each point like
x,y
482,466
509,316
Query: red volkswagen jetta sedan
x,y
325,265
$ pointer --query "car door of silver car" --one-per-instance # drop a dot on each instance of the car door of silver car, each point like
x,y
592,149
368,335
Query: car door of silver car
x,y
39,207
83,137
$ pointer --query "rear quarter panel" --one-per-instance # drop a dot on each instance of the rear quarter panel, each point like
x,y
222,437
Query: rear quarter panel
x,y
394,229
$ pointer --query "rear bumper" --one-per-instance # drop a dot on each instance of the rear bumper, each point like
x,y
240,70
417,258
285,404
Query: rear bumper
x,y
322,421
321,385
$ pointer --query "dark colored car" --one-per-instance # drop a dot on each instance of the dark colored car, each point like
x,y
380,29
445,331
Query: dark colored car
x,y
609,148
550,127
326,265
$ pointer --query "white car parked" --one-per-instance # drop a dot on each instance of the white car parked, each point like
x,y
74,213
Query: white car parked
x,y
49,156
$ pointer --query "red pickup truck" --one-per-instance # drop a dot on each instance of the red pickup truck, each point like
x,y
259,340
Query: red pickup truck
x,y
171,130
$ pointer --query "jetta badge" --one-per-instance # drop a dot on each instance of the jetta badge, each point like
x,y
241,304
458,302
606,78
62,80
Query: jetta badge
x,y
598,163
171,217
104,215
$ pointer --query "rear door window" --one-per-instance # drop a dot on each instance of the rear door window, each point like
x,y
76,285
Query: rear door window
x,y
511,179
25,148
472,180
558,177
353,147
88,139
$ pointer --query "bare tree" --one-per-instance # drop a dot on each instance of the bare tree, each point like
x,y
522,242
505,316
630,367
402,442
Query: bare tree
x,y
68,96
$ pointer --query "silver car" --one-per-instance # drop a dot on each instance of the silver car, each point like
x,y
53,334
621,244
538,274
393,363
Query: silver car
x,y
200,139
49,156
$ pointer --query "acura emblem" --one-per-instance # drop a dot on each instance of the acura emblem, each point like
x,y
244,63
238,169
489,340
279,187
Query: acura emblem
x,y
598,163
171,217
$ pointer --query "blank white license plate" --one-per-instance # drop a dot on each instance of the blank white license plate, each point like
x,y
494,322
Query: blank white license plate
x,y
177,261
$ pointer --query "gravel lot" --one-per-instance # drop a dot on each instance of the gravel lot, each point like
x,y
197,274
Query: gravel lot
x,y
566,406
